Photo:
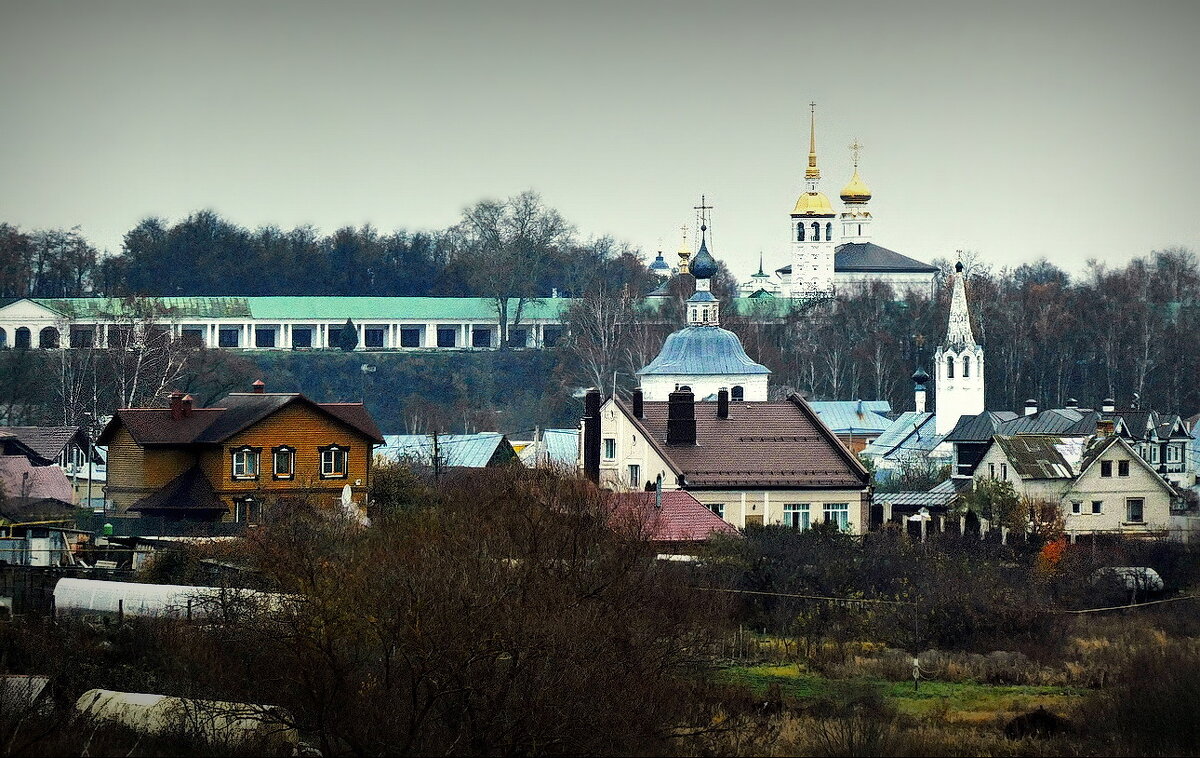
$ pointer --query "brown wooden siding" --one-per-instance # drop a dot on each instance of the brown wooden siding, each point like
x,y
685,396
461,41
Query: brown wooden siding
x,y
306,431
135,471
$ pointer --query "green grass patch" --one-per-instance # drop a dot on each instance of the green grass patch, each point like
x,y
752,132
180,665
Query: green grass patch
x,y
955,700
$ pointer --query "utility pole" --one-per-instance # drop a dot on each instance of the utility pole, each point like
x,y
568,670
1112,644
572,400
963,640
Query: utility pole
x,y
437,461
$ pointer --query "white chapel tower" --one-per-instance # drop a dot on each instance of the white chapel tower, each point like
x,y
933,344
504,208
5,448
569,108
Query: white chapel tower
x,y
812,230
958,363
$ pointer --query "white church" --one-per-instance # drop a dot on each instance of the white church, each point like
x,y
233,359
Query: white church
x,y
833,251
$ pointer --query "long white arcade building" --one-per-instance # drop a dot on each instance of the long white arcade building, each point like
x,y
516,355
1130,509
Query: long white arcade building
x,y
281,323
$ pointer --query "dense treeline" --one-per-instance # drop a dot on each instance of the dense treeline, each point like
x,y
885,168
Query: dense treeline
x,y
207,255
1126,333
1121,332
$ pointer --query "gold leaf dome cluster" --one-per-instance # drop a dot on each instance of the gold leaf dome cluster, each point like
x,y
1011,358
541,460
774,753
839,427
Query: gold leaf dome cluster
x,y
856,191
813,204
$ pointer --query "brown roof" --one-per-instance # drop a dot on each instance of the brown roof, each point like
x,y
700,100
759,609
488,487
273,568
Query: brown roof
x,y
761,444
48,441
237,412
190,491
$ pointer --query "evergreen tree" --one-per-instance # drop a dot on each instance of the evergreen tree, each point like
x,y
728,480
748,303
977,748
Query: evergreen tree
x,y
347,338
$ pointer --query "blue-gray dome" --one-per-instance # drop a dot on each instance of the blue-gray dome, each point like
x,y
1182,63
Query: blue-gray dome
x,y
703,266
703,350
659,266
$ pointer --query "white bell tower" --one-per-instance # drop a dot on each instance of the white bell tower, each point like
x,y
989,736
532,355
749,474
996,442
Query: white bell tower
x,y
958,363
812,228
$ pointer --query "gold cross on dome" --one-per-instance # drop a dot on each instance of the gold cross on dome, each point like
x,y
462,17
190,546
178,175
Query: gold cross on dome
x,y
855,148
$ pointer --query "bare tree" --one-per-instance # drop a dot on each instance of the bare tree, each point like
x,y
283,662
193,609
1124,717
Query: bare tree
x,y
508,245
144,358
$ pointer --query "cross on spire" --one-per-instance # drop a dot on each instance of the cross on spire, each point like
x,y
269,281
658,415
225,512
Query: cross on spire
x,y
855,148
703,207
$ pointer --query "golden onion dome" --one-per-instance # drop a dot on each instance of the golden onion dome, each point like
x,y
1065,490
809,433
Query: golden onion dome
x,y
856,191
813,204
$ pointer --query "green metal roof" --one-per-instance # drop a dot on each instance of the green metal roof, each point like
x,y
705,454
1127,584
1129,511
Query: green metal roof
x,y
207,307
334,308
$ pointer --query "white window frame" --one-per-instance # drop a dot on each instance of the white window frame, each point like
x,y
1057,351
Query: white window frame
x,y
246,459
244,513
632,470
291,454
1097,507
610,448
841,510
797,515
1076,507
1173,454
718,509
329,459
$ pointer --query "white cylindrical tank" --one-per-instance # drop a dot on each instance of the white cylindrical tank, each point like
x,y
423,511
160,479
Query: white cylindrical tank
x,y
209,720
163,600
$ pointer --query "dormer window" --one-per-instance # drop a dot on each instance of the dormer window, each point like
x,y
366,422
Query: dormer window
x,y
283,462
245,462
333,461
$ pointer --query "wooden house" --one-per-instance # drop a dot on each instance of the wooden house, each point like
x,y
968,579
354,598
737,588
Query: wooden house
x,y
224,463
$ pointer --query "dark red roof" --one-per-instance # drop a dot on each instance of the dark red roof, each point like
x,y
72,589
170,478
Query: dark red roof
x,y
681,518
237,412
781,444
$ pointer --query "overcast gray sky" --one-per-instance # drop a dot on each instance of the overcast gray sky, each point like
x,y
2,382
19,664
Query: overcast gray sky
x,y
1019,130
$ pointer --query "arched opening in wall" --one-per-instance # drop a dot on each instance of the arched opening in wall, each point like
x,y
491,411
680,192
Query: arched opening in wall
x,y
816,232
966,366
828,232
48,338
3,338
23,338
949,367
800,232
737,392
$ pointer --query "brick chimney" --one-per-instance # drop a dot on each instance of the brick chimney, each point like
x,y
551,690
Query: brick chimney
x,y
681,418
591,435
722,403
639,408
1104,428
259,386
186,405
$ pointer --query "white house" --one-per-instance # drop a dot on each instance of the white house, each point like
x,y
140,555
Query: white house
x,y
751,463
1100,483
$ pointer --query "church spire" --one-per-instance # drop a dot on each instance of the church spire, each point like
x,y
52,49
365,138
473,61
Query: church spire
x,y
958,332
958,363
813,172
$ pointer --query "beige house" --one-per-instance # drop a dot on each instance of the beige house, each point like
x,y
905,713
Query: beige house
x,y
751,463
1100,483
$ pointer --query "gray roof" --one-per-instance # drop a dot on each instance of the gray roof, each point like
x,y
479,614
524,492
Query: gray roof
x,y
979,428
1066,421
702,350
910,433
462,450
916,500
853,416
867,257
1042,456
